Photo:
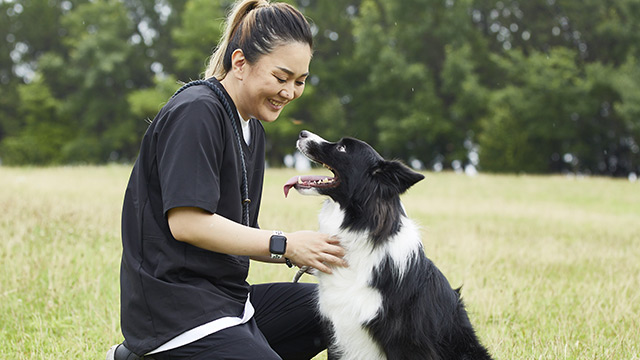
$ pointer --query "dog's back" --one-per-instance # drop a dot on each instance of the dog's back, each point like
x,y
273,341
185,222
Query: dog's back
x,y
422,316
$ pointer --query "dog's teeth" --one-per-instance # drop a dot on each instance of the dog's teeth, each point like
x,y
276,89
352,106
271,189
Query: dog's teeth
x,y
299,180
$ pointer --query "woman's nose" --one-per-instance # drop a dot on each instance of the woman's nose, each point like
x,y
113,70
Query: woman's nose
x,y
287,94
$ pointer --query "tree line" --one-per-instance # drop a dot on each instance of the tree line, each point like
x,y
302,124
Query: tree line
x,y
536,86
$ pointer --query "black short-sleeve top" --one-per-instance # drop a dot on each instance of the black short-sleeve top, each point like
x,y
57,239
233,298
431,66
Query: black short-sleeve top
x,y
188,157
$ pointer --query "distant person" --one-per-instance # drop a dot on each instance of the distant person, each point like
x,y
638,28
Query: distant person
x,y
189,219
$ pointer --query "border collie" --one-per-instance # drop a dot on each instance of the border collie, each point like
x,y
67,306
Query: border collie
x,y
391,302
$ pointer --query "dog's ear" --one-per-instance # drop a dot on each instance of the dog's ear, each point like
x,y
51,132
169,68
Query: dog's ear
x,y
395,175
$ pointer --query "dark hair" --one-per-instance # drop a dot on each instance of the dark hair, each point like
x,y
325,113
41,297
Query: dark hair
x,y
257,27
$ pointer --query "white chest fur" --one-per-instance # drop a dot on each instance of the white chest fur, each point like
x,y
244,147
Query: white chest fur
x,y
346,298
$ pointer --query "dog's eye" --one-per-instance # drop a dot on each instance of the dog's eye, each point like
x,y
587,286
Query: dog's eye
x,y
341,148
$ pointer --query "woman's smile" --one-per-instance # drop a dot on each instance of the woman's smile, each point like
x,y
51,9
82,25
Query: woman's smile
x,y
277,105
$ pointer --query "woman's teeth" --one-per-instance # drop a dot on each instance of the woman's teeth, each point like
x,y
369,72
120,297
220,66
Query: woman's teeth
x,y
276,103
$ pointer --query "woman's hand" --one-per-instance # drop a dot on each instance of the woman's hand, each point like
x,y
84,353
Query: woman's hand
x,y
320,251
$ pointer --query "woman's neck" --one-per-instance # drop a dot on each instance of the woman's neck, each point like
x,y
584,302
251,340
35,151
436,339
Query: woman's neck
x,y
230,84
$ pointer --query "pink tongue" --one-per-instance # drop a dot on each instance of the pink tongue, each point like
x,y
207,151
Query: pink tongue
x,y
289,184
304,179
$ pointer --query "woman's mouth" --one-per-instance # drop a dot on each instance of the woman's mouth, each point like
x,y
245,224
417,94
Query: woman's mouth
x,y
276,104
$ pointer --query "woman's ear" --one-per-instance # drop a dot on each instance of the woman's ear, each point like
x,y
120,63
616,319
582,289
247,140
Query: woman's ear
x,y
238,62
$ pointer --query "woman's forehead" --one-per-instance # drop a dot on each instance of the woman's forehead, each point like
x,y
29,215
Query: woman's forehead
x,y
290,58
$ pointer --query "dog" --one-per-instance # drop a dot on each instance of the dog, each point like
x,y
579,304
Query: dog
x,y
391,302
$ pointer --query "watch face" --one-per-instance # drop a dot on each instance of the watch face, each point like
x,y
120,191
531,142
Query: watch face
x,y
278,244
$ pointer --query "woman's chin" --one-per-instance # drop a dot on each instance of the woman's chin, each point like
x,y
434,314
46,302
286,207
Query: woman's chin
x,y
270,116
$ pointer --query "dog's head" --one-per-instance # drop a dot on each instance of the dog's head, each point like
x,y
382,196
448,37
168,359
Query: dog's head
x,y
359,171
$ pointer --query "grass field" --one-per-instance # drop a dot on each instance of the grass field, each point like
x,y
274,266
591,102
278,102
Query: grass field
x,y
550,265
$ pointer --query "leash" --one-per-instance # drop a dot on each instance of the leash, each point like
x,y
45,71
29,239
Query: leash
x,y
301,271
245,186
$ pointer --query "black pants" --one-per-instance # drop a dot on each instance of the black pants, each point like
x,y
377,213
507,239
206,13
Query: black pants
x,y
285,326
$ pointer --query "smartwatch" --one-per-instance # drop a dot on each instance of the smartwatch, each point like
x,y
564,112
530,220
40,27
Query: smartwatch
x,y
277,245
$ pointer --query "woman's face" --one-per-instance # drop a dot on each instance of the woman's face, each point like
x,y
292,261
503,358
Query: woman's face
x,y
273,81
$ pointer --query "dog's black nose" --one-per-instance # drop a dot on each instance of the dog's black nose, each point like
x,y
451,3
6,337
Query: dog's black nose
x,y
304,134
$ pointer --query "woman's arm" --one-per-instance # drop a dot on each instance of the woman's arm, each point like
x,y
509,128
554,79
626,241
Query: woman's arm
x,y
217,233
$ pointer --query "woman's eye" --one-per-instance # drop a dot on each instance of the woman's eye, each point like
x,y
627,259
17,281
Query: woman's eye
x,y
281,81
341,148
299,83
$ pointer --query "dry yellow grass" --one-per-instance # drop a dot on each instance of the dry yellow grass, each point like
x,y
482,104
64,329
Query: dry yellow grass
x,y
549,264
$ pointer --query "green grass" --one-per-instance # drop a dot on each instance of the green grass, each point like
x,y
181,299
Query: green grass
x,y
550,265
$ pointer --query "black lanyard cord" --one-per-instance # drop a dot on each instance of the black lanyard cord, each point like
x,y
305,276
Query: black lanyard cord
x,y
245,186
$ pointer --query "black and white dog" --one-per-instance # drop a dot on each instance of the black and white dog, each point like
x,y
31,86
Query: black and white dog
x,y
391,302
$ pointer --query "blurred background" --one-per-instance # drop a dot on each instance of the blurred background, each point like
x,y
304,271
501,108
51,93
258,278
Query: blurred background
x,y
535,86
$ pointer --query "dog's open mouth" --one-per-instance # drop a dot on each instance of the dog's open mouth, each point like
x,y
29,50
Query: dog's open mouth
x,y
311,181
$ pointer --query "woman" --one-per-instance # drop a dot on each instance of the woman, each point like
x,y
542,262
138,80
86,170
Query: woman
x,y
197,179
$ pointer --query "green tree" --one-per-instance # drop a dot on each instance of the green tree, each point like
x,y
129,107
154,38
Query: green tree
x,y
37,142
402,49
197,36
145,103
528,39
537,86
102,63
610,131
155,21
28,29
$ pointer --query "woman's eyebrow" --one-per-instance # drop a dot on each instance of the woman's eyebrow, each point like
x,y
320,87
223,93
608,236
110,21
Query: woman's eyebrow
x,y
289,72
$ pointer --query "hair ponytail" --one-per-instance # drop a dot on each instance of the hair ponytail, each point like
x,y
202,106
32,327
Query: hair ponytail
x,y
257,27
